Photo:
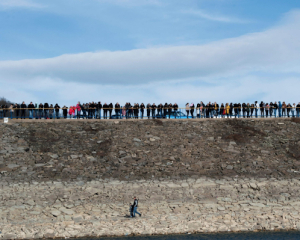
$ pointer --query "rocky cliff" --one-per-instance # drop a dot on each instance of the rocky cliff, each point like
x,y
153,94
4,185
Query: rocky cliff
x,y
68,178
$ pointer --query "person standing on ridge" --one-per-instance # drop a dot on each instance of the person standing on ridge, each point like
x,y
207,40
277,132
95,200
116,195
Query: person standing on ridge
x,y
142,108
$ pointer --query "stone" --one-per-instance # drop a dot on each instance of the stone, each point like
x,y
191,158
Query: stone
x,y
137,140
13,166
55,213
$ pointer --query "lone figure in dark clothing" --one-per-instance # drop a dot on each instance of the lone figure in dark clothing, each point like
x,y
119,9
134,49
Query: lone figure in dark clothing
x,y
135,206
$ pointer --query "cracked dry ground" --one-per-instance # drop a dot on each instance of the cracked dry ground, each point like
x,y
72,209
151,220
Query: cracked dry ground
x,y
149,149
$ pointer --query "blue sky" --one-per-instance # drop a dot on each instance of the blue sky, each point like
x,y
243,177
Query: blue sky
x,y
149,50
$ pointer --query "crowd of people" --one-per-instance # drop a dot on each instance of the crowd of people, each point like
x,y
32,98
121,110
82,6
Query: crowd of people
x,y
95,110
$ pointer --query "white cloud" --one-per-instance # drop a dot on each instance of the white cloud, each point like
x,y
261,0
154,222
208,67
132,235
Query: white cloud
x,y
228,70
214,17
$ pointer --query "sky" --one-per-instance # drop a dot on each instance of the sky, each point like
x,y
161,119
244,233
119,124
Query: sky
x,y
150,51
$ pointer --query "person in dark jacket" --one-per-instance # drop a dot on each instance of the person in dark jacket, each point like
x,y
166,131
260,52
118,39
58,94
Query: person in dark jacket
x,y
230,109
192,109
46,110
65,111
236,110
110,106
175,107
30,110
207,110
142,108
222,111
17,111
56,107
135,207
262,109
136,111
94,109
51,111
165,110
244,109
252,109
288,109
41,110
159,109
275,107
271,109
148,110
23,109
170,110
153,108
298,109
105,109
1,111
98,109
84,108
118,110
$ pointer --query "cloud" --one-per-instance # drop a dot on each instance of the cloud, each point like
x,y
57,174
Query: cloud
x,y
214,17
7,4
235,68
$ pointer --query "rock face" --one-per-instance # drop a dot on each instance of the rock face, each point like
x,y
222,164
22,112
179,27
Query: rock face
x,y
76,178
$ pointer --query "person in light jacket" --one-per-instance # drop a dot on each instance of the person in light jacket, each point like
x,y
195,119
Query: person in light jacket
x,y
293,109
11,110
256,108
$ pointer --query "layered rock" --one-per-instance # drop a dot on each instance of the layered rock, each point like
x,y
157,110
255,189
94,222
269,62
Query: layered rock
x,y
72,178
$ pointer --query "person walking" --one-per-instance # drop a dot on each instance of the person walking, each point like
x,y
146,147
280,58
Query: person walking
x,y
130,210
135,206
